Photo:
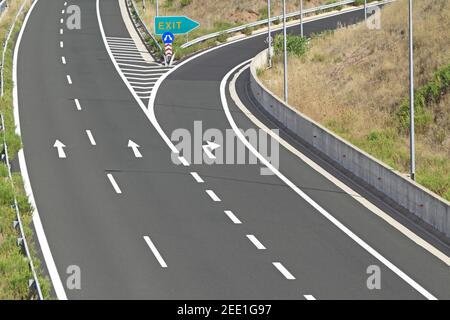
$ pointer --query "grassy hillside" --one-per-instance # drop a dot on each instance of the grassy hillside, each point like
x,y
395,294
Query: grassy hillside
x,y
355,82
14,270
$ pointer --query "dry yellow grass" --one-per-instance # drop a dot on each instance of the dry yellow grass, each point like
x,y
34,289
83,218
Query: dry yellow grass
x,y
210,13
354,80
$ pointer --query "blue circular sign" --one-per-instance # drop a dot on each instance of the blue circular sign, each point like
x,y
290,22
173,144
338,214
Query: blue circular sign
x,y
168,37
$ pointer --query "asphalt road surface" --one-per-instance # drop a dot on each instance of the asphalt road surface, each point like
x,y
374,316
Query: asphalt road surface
x,y
148,228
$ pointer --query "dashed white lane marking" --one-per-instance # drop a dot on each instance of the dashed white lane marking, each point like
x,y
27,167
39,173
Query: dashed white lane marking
x,y
183,161
62,20
256,242
91,137
65,4
61,31
114,183
63,11
213,196
303,195
69,79
197,178
309,297
283,271
77,104
155,252
63,60
61,44
232,217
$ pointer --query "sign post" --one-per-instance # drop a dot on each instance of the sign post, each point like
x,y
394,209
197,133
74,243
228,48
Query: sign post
x,y
168,38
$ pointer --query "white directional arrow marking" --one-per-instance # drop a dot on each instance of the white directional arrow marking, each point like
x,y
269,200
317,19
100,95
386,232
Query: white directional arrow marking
x,y
60,147
209,147
135,147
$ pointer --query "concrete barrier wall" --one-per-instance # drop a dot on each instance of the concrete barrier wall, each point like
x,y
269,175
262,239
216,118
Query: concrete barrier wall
x,y
429,207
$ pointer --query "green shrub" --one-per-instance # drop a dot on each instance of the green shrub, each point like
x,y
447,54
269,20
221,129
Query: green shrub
x,y
296,45
222,37
430,93
185,3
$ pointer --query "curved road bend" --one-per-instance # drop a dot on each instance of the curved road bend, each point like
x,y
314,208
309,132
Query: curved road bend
x,y
98,203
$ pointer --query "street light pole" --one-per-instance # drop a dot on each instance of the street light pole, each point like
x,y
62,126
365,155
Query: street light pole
x,y
301,18
365,11
269,37
285,53
411,93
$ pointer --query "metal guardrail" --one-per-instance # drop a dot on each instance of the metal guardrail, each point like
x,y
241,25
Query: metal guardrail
x,y
3,6
143,30
33,284
265,21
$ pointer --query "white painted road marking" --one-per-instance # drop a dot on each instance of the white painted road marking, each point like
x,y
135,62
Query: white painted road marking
x,y
308,199
114,183
69,79
233,218
61,31
355,195
61,44
283,271
256,242
62,20
213,196
63,59
135,147
91,137
209,147
40,233
60,147
77,103
155,252
309,297
183,161
197,178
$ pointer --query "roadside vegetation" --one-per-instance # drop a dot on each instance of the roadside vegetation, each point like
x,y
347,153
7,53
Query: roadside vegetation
x,y
14,269
355,81
216,15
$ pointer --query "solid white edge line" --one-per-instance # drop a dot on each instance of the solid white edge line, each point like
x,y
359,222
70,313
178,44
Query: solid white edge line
x,y
150,110
150,113
283,271
232,217
114,183
155,252
256,242
213,196
91,137
197,177
39,229
305,197
355,195
309,297
77,104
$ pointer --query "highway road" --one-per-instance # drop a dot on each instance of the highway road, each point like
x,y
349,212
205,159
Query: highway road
x,y
140,226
